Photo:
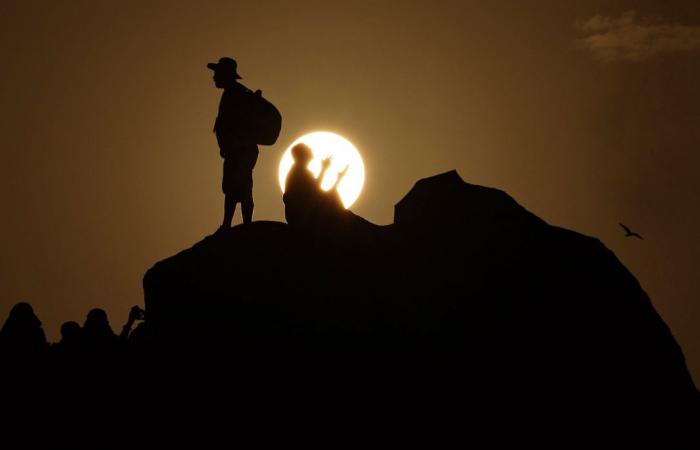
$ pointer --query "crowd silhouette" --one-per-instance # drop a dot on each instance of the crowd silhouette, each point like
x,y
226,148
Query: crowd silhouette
x,y
22,335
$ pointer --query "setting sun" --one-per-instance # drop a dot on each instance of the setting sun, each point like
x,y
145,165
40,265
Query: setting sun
x,y
343,153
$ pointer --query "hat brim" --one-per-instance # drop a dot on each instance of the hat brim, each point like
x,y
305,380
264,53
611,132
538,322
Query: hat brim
x,y
215,67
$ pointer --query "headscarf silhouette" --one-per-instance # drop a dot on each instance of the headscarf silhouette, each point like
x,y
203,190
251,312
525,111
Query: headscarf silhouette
x,y
96,331
22,331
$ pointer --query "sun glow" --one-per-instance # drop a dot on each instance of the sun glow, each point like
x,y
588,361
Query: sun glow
x,y
343,153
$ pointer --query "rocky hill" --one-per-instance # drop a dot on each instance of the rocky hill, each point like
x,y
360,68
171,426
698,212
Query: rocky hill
x,y
466,291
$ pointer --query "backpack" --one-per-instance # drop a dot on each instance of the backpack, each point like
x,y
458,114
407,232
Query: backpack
x,y
266,120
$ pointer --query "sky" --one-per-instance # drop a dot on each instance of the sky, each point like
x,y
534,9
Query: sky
x,y
587,113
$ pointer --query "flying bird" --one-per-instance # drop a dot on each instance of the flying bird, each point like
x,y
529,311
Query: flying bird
x,y
630,233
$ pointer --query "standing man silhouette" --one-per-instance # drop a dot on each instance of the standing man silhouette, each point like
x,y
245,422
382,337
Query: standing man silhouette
x,y
236,144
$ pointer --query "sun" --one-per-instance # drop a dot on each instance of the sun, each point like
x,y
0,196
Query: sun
x,y
343,153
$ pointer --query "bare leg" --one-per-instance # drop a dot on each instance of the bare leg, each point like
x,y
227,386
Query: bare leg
x,y
229,209
247,210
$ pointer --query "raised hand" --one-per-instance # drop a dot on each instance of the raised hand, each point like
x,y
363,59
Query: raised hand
x,y
326,162
135,313
342,173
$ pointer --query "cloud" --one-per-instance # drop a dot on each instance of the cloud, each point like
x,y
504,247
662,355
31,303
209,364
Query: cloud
x,y
630,38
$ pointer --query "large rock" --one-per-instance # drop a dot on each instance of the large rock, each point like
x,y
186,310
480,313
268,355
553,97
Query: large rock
x,y
466,287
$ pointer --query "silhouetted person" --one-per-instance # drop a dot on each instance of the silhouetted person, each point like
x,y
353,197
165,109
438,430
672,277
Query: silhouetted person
x,y
22,333
236,145
306,203
140,335
70,333
96,333
70,340
135,314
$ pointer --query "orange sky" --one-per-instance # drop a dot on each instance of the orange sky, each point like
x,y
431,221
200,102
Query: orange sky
x,y
108,163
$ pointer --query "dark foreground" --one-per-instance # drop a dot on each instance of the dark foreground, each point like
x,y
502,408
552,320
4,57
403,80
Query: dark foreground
x,y
468,314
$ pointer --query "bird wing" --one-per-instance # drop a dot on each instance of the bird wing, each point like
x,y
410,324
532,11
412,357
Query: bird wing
x,y
637,235
627,230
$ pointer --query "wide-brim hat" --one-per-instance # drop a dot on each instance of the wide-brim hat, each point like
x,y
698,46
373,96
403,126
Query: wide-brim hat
x,y
226,66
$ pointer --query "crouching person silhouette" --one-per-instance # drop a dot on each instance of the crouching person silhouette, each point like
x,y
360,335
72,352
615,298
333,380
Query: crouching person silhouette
x,y
236,145
306,204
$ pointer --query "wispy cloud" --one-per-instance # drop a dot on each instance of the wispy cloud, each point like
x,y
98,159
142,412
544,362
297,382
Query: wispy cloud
x,y
631,38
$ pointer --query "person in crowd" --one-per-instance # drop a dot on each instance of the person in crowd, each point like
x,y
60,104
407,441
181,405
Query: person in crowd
x,y
97,333
22,333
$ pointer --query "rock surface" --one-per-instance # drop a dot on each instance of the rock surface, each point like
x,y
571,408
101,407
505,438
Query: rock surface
x,y
466,287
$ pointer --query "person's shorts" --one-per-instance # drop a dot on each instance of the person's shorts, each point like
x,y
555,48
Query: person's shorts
x,y
238,176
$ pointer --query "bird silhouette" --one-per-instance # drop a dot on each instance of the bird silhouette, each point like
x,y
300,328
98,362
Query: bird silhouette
x,y
630,233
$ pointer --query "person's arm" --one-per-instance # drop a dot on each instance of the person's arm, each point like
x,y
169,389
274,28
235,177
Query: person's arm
x,y
126,329
230,125
325,164
134,315
341,174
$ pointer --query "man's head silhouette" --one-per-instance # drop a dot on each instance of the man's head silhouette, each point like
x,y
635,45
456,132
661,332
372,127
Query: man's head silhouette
x,y
225,72
302,154
70,331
